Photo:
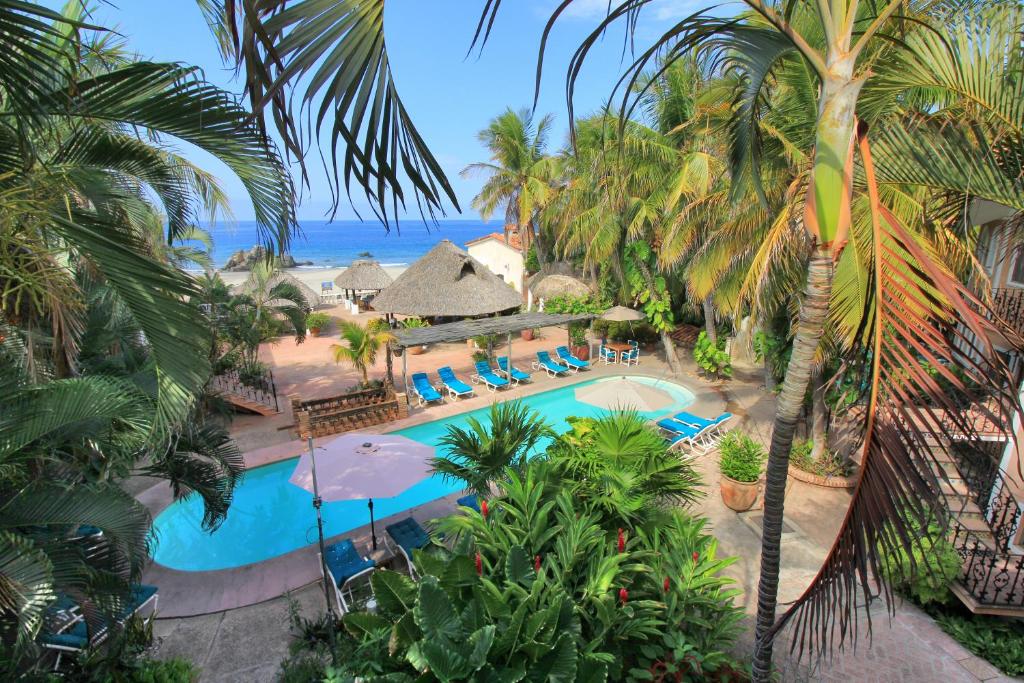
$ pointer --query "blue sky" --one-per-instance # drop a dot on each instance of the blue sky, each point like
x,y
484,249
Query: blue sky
x,y
449,96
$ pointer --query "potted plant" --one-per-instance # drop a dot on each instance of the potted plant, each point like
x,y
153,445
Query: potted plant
x,y
527,335
578,342
411,324
740,459
315,322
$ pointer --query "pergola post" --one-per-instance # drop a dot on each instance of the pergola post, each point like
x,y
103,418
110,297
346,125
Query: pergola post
x,y
509,356
405,371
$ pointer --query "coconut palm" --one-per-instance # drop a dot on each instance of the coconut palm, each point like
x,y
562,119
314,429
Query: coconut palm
x,y
519,175
364,342
482,452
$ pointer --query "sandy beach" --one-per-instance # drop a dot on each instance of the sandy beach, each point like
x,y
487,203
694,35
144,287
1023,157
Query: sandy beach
x,y
309,276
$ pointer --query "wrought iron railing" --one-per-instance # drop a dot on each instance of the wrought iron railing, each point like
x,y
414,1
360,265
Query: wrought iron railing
x,y
258,387
1008,304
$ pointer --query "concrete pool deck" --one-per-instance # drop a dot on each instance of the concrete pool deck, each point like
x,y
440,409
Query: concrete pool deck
x,y
191,593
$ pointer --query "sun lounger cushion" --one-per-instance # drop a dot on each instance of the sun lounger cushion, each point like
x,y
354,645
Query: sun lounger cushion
x,y
423,387
698,421
483,369
77,636
449,379
544,358
565,355
408,534
516,374
470,502
344,561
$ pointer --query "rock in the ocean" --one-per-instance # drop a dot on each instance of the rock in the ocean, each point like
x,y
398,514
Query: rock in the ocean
x,y
244,259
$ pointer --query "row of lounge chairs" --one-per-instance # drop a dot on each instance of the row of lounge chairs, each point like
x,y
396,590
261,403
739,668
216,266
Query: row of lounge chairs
x,y
699,434
492,378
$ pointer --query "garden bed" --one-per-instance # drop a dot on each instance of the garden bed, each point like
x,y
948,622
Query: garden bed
x,y
831,482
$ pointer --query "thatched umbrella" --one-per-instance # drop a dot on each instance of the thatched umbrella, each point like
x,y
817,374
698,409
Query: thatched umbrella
x,y
447,281
622,314
312,298
560,285
363,276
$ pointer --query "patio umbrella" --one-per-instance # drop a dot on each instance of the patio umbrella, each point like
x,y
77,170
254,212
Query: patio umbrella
x,y
624,393
622,314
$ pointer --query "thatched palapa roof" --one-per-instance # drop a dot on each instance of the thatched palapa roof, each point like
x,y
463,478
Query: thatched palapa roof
x,y
363,276
312,298
447,281
560,285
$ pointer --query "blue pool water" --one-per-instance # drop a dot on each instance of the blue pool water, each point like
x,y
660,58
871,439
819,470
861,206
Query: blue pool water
x,y
271,516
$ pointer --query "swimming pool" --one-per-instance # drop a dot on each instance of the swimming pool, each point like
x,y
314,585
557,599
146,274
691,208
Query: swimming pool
x,y
269,516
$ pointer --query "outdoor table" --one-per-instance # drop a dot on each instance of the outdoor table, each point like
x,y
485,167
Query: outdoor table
x,y
619,347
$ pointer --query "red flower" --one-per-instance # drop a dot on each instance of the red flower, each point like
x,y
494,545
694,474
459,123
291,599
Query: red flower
x,y
483,508
665,585
622,541
536,563
479,565
623,595
696,556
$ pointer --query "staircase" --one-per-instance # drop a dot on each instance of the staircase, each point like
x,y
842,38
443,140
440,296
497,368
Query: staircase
x,y
984,516
252,394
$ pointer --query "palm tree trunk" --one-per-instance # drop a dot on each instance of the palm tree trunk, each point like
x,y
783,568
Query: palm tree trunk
x,y
813,311
709,320
819,415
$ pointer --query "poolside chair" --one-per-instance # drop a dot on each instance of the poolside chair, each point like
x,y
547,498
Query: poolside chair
x,y
405,537
485,374
66,630
608,356
455,386
470,501
714,426
565,355
425,391
631,357
680,435
545,363
515,374
346,568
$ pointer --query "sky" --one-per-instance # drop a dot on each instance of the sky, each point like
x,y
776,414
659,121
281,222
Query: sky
x,y
450,97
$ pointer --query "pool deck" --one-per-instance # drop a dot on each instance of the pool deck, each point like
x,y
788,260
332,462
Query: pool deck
x,y
190,593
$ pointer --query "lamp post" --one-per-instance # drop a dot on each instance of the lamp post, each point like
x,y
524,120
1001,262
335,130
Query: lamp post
x,y
373,529
320,534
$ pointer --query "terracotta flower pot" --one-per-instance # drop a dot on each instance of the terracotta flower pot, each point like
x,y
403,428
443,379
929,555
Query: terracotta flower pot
x,y
581,352
738,495
417,350
527,335
315,331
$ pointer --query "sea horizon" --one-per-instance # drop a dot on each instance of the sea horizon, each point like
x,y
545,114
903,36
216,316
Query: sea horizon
x,y
322,244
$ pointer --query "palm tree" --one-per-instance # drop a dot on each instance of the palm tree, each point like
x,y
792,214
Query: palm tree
x,y
482,452
363,345
519,175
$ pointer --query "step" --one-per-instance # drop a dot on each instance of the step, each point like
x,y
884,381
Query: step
x,y
976,607
248,404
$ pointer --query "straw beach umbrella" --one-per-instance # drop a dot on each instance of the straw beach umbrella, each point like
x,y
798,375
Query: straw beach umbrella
x,y
560,285
363,276
447,281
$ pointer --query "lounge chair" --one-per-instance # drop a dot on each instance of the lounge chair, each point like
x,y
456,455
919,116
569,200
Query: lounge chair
x,y
470,501
65,629
344,568
565,355
545,363
515,374
485,374
406,536
714,426
455,386
425,391
608,356
680,434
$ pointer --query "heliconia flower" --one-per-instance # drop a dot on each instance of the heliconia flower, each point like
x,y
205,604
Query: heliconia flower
x,y
666,584
696,556
536,563
622,541
479,565
623,595
483,508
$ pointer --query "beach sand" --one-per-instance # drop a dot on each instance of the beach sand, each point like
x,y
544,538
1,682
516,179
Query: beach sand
x,y
309,276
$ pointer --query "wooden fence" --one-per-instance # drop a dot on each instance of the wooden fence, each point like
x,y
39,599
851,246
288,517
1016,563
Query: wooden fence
x,y
357,410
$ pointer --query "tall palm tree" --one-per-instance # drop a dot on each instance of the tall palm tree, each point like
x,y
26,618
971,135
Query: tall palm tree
x,y
364,343
482,452
519,175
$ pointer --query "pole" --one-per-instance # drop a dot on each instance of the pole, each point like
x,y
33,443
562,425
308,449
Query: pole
x,y
320,533
405,372
509,373
373,529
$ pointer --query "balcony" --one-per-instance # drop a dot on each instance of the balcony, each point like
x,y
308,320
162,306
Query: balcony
x,y
1008,303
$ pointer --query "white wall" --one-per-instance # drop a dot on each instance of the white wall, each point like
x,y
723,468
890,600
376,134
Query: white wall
x,y
503,260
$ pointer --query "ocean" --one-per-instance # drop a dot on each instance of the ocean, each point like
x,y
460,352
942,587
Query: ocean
x,y
338,244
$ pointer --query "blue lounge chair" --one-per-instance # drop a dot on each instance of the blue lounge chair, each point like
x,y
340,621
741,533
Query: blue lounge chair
x,y
514,374
470,502
565,355
713,426
485,374
545,363
608,355
406,536
455,386
65,629
344,568
425,391
680,434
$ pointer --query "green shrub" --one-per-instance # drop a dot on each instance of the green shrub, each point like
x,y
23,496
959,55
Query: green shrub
x,y
576,304
826,465
253,374
317,321
229,361
413,323
532,263
713,359
479,356
378,325
578,335
740,457
996,639
925,574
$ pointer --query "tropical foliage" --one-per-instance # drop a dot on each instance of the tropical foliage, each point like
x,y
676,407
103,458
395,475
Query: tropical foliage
x,y
740,457
362,344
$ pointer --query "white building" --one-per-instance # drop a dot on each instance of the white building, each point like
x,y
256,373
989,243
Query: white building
x,y
502,257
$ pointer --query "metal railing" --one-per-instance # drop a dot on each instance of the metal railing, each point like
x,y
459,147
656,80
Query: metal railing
x,y
256,387
1008,304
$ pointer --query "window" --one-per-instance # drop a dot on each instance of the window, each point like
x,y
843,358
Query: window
x,y
1017,272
